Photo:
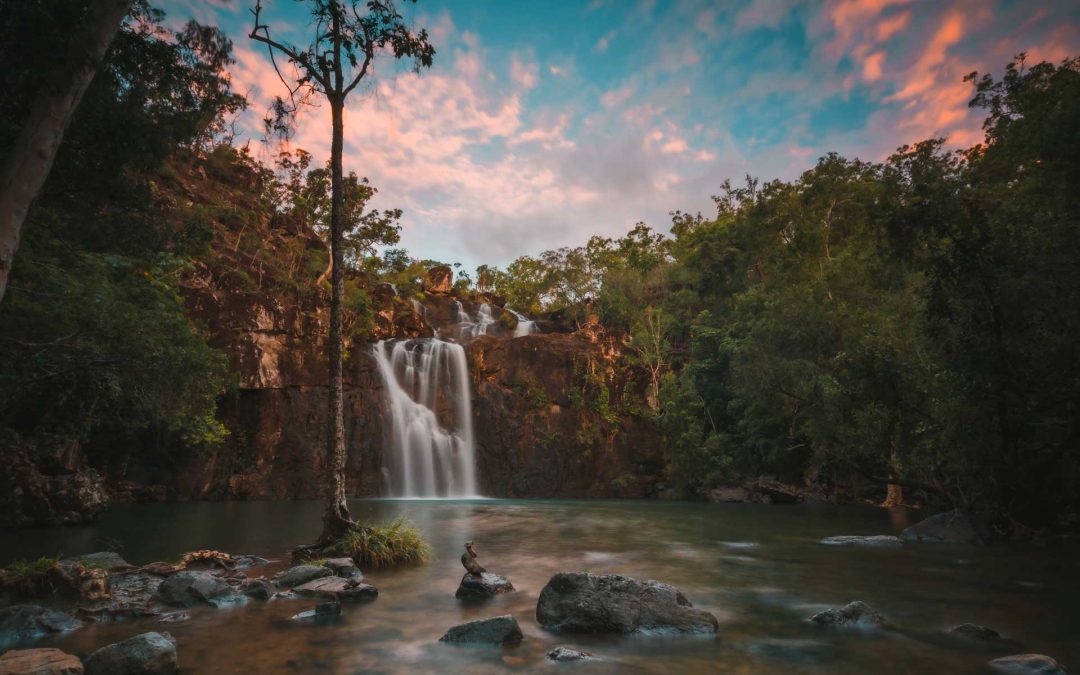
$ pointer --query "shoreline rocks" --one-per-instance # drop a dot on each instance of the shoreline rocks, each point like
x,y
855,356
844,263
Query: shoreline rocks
x,y
579,602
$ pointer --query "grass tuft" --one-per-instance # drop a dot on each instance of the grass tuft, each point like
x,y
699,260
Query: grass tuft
x,y
398,542
28,578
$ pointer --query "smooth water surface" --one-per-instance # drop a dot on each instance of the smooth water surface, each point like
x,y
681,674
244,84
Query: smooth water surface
x,y
758,568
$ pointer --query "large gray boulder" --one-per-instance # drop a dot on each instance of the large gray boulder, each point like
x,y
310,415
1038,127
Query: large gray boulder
x,y
950,527
579,602
1027,664
482,586
24,623
146,654
498,630
190,588
852,615
301,574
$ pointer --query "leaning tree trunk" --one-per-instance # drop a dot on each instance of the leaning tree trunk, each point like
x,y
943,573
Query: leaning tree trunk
x,y
32,156
894,495
336,520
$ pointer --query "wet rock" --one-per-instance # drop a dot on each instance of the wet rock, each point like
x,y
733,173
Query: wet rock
x,y
160,569
243,562
498,630
480,587
975,631
343,567
301,574
174,617
259,589
730,494
1027,664
872,541
777,492
146,654
132,596
337,588
567,654
578,602
950,527
852,615
330,608
190,588
23,623
39,662
106,560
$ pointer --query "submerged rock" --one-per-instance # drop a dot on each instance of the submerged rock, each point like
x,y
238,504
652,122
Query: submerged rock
x,y
1027,664
579,602
243,562
852,615
23,623
146,654
259,589
301,574
189,588
975,631
950,527
330,608
480,587
567,654
498,630
39,662
871,541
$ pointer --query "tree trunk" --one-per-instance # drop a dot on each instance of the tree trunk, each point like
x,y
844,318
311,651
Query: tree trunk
x,y
32,156
336,519
894,495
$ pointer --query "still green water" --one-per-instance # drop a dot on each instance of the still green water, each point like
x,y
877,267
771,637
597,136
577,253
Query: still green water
x,y
758,568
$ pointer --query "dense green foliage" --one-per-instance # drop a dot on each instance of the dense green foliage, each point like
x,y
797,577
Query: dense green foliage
x,y
93,335
910,322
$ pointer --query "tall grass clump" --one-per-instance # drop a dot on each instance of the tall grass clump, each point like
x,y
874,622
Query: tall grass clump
x,y
398,542
28,578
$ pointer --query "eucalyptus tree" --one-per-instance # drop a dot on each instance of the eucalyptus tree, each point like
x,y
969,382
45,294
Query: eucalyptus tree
x,y
348,36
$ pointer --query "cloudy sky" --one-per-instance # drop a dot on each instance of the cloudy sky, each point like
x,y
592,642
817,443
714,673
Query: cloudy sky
x,y
543,122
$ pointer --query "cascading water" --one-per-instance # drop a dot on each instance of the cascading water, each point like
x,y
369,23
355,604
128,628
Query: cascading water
x,y
524,326
430,435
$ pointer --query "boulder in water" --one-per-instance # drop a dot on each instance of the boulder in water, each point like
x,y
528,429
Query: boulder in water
x,y
190,588
301,574
852,615
483,586
950,527
579,602
1027,664
23,623
567,654
343,567
498,630
259,589
871,541
329,608
146,654
337,588
40,662
975,631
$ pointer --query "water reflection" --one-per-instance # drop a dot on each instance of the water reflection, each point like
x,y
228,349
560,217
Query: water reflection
x,y
758,568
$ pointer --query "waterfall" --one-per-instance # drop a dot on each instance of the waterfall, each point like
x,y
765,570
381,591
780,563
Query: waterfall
x,y
472,327
524,326
430,433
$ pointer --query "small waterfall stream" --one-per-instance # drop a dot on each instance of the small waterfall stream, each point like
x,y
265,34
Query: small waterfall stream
x,y
430,434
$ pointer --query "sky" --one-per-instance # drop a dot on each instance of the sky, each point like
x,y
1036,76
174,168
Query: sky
x,y
542,123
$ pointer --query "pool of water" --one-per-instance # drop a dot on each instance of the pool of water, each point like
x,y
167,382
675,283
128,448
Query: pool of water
x,y
758,568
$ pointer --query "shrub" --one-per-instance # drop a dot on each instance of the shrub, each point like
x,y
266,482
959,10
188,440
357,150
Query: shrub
x,y
394,543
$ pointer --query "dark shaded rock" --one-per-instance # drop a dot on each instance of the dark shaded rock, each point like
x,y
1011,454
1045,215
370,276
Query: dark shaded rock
x,y
567,654
975,631
146,654
1027,664
358,592
855,615
301,574
344,567
243,562
579,602
329,608
497,630
950,527
777,492
23,623
40,662
45,482
729,494
259,589
337,588
132,596
872,541
190,588
486,585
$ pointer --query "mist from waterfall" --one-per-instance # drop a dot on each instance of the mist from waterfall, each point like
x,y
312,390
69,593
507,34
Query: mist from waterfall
x,y
429,438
